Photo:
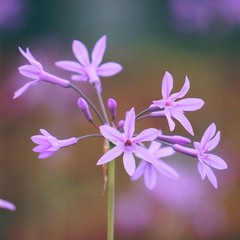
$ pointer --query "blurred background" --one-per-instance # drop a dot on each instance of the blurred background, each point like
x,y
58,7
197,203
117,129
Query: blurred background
x,y
60,198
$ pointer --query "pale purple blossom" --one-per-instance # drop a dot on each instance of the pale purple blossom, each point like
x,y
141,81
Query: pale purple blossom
x,y
112,106
7,205
35,71
83,105
90,70
127,143
150,170
209,141
48,145
174,139
169,107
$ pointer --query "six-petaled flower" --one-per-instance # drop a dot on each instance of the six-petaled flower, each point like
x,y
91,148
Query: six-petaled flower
x,y
127,143
90,70
208,142
35,71
169,107
48,145
150,170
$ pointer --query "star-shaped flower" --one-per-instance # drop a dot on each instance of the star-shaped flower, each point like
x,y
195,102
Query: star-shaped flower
x,y
150,170
48,145
169,107
208,142
127,143
90,70
35,71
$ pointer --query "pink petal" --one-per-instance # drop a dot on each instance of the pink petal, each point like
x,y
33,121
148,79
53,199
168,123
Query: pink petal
x,y
189,104
109,69
29,71
98,51
24,88
129,125
129,162
154,146
185,150
208,135
210,145
211,176
150,177
81,53
7,205
67,142
166,170
164,152
139,170
80,78
112,134
111,155
40,139
182,92
143,153
183,120
149,134
167,85
70,66
171,123
41,148
215,161
202,170
45,132
45,155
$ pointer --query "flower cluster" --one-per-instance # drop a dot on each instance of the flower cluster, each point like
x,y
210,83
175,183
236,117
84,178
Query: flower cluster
x,y
142,152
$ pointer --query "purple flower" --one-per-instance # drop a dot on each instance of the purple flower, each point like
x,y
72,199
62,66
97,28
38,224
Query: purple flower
x,y
90,70
150,170
7,205
48,145
208,142
171,108
127,143
35,71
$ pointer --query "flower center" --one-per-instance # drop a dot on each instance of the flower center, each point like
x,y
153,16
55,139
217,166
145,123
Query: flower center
x,y
168,104
128,143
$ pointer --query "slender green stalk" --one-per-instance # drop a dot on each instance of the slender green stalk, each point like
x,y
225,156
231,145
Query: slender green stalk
x,y
111,200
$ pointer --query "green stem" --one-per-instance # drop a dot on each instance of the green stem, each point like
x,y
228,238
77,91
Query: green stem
x,y
111,200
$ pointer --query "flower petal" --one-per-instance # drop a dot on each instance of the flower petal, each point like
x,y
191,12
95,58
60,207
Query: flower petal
x,y
143,153
183,120
182,92
24,88
111,155
29,71
211,176
166,170
129,125
208,135
167,85
154,146
129,162
112,134
81,53
45,155
189,104
80,78
7,205
171,123
139,170
98,51
109,69
215,161
150,176
164,152
70,66
213,143
202,170
149,134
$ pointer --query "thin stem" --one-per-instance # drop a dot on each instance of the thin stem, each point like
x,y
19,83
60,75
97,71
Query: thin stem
x,y
111,200
102,106
141,113
89,102
89,135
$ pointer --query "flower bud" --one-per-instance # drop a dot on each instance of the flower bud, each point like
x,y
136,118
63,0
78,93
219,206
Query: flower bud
x,y
112,106
82,104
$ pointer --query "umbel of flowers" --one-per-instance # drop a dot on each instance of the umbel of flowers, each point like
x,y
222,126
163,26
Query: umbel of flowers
x,y
142,153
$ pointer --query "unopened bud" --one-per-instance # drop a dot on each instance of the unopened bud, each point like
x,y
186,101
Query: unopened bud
x,y
112,106
82,104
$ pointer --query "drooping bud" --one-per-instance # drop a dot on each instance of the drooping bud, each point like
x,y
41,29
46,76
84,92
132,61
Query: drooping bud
x,y
121,124
175,139
82,104
112,106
